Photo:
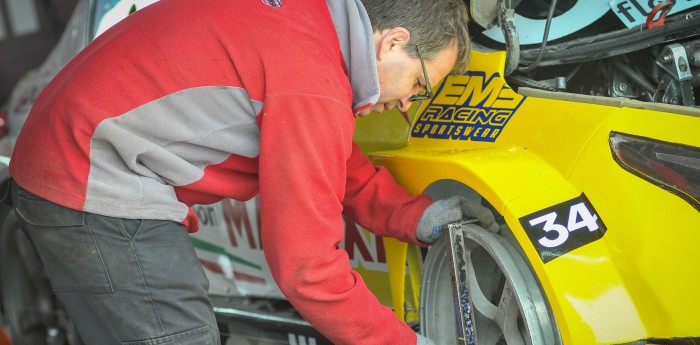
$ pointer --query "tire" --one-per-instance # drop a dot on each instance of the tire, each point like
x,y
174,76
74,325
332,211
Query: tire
x,y
503,297
32,312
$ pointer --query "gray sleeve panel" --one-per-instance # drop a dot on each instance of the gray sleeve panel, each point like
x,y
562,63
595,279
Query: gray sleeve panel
x,y
137,157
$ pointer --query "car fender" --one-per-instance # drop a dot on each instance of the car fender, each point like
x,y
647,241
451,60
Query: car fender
x,y
486,171
515,181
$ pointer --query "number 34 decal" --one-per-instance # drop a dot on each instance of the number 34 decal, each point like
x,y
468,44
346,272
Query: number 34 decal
x,y
564,227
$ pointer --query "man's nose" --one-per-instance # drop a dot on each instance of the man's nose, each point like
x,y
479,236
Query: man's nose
x,y
404,104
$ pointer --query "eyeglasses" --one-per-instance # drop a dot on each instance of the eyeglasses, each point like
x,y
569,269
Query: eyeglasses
x,y
428,90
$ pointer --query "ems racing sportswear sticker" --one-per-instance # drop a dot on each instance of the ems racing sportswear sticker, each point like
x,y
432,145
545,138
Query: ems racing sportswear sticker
x,y
473,107
564,227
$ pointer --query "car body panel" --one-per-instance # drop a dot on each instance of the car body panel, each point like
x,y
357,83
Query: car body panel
x,y
636,281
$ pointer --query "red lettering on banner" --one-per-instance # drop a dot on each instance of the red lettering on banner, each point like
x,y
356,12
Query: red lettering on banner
x,y
355,238
236,217
381,254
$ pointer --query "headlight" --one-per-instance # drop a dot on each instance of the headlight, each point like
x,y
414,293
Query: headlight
x,y
673,167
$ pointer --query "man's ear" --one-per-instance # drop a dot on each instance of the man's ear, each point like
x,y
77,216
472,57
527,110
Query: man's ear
x,y
390,41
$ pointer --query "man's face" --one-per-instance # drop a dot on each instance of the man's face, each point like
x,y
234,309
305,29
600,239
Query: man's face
x,y
401,76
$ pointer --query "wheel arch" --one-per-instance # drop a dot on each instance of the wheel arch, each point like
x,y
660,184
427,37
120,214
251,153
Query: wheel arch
x,y
498,175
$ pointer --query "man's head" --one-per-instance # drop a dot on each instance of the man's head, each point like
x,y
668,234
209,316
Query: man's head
x,y
410,34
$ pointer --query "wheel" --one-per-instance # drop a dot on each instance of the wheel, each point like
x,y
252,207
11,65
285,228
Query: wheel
x,y
32,312
501,297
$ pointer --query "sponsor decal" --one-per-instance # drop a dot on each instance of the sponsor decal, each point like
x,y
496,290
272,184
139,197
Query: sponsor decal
x,y
272,3
635,12
212,248
364,248
475,106
233,242
236,275
235,220
564,227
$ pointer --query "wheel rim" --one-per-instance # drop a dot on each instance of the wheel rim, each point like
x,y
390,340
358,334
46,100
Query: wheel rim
x,y
32,312
504,299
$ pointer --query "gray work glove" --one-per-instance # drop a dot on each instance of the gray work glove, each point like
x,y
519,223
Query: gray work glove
x,y
442,212
423,340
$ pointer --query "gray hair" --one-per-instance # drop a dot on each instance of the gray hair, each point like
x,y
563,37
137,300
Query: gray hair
x,y
434,25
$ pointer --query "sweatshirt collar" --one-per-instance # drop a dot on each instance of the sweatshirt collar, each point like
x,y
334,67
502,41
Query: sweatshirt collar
x,y
357,45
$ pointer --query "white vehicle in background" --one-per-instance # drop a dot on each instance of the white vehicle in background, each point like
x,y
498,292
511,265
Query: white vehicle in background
x,y
228,242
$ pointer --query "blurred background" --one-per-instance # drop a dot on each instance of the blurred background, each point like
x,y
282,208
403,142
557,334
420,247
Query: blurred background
x,y
28,31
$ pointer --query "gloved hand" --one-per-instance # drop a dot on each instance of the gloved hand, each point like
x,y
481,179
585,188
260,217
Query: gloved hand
x,y
421,340
442,212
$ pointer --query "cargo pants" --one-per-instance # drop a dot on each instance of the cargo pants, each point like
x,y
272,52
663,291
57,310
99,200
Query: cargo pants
x,y
122,281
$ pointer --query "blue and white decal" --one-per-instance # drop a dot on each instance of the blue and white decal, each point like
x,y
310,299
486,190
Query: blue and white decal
x,y
473,107
635,12
564,227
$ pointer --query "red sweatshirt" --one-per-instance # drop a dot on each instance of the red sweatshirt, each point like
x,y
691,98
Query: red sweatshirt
x,y
191,101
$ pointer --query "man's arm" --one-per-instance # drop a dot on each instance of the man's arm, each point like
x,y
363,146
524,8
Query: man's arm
x,y
378,203
306,141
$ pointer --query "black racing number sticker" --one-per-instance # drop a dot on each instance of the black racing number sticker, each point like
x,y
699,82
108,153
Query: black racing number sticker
x,y
564,227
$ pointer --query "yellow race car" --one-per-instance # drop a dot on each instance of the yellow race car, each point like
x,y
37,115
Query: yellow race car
x,y
591,160
576,123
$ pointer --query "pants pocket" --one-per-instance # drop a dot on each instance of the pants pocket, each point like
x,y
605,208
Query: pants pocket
x,y
41,212
65,244
197,336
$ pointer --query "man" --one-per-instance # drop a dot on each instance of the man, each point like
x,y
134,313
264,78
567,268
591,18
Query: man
x,y
190,101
